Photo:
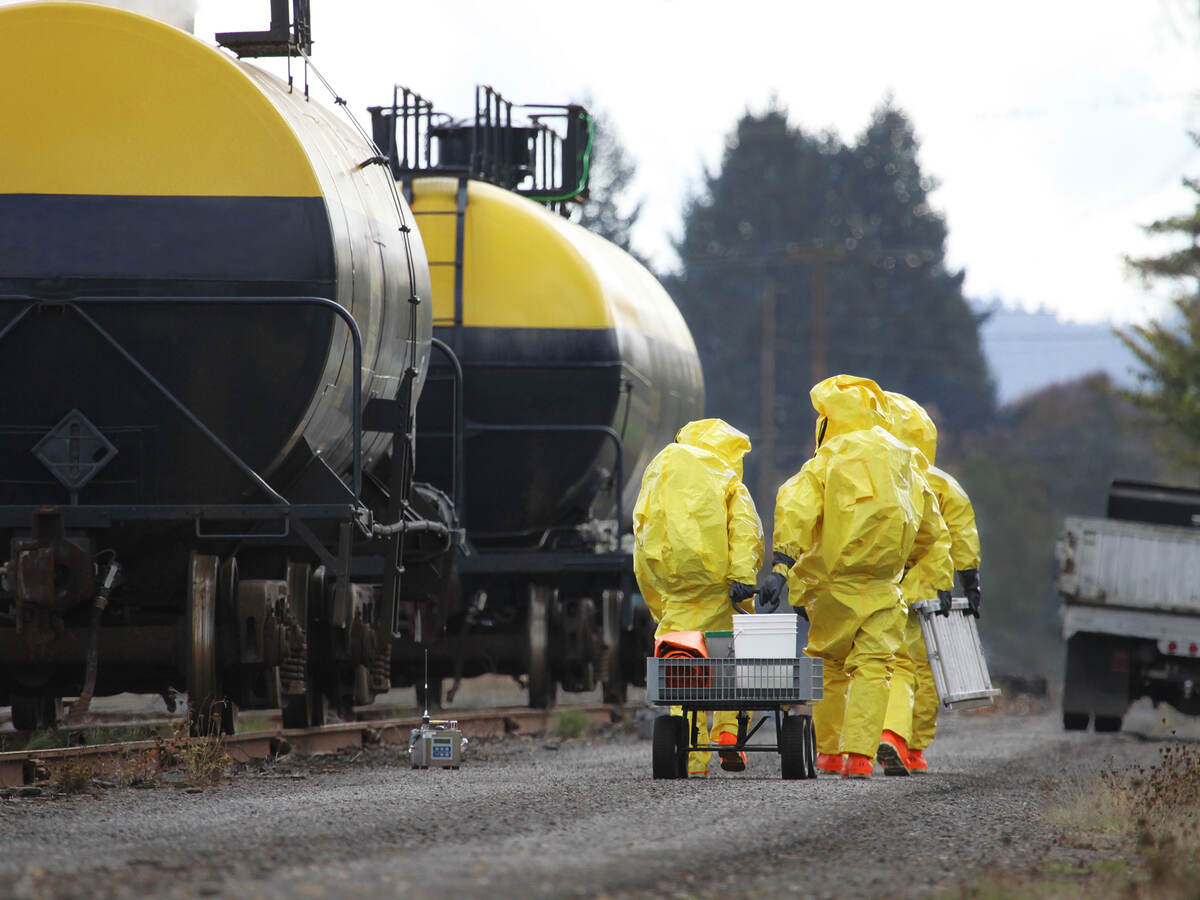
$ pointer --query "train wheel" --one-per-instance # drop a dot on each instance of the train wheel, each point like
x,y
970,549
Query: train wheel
x,y
543,688
208,710
310,710
36,713
614,685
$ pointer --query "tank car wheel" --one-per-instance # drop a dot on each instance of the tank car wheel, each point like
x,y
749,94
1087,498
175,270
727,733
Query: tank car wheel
x,y
36,713
615,686
310,710
1104,724
543,688
208,709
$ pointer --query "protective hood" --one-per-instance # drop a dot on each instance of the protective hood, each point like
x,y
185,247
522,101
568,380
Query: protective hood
x,y
912,425
719,437
846,403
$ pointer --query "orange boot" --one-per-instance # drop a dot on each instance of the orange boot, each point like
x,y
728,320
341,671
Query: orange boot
x,y
857,766
829,763
731,760
916,763
893,754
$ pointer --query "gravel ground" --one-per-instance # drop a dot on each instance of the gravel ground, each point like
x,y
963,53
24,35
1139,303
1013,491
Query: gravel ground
x,y
538,817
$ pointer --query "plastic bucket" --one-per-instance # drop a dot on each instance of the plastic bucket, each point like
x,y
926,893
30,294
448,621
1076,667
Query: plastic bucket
x,y
769,636
719,643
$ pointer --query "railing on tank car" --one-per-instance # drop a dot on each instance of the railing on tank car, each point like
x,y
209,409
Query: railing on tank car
x,y
530,158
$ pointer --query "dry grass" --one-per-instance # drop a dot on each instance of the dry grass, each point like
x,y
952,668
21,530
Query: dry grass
x,y
72,778
1102,805
1133,833
202,755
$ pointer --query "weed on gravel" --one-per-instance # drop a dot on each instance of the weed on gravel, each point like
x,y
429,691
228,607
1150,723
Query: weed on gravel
x,y
1133,833
571,723
198,745
72,778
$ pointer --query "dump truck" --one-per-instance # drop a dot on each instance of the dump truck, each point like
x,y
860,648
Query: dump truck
x,y
1129,585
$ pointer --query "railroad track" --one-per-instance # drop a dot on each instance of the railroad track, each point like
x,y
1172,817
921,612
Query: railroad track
x,y
20,767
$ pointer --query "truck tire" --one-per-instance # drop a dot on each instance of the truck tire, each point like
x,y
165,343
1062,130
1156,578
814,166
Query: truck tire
x,y
1096,683
1075,721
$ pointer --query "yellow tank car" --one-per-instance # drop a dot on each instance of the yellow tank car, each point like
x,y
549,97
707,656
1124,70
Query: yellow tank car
x,y
577,365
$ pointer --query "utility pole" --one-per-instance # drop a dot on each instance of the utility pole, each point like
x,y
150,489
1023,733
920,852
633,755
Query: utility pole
x,y
819,258
820,304
766,398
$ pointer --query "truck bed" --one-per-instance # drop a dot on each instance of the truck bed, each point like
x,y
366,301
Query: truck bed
x,y
1130,565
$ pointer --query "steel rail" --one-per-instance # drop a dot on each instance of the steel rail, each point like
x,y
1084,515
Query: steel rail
x,y
20,767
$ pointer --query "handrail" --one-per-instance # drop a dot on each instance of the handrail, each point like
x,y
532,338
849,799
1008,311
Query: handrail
x,y
76,303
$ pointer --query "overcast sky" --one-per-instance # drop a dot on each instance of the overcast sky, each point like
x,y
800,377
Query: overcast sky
x,y
1055,128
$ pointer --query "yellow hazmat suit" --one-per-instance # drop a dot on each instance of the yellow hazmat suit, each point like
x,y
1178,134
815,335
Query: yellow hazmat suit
x,y
696,532
853,519
913,704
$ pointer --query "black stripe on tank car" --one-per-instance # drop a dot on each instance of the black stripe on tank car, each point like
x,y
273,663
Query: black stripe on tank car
x,y
570,347
220,239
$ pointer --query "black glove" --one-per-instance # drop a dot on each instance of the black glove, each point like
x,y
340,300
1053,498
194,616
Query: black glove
x,y
801,612
774,590
739,591
946,599
970,583
780,557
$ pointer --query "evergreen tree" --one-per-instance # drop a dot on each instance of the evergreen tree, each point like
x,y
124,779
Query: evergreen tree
x,y
788,210
1170,349
900,311
609,211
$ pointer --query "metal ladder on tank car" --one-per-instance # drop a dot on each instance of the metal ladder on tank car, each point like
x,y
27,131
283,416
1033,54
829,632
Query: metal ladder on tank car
x,y
460,227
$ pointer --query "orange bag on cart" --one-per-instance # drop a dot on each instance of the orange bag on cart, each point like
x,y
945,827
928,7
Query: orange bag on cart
x,y
683,645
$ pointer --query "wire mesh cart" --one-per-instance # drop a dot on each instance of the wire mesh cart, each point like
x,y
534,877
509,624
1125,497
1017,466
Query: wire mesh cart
x,y
697,685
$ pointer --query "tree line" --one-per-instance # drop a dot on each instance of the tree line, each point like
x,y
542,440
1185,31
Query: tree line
x,y
803,255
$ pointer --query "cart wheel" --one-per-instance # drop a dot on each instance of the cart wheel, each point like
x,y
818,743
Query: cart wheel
x,y
669,734
793,747
810,746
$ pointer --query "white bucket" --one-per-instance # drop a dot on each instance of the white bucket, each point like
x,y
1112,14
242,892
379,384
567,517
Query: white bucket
x,y
769,636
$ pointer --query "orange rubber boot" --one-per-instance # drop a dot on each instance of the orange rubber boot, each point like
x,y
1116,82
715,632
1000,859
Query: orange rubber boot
x,y
731,760
857,766
916,763
893,754
829,763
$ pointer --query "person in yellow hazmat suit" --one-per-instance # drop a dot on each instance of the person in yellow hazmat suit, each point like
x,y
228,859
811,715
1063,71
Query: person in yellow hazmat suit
x,y
847,526
698,544
911,719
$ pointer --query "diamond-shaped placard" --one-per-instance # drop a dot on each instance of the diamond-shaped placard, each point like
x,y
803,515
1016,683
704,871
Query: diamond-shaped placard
x,y
74,450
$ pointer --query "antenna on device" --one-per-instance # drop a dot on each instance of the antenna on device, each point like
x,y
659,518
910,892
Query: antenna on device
x,y
425,715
